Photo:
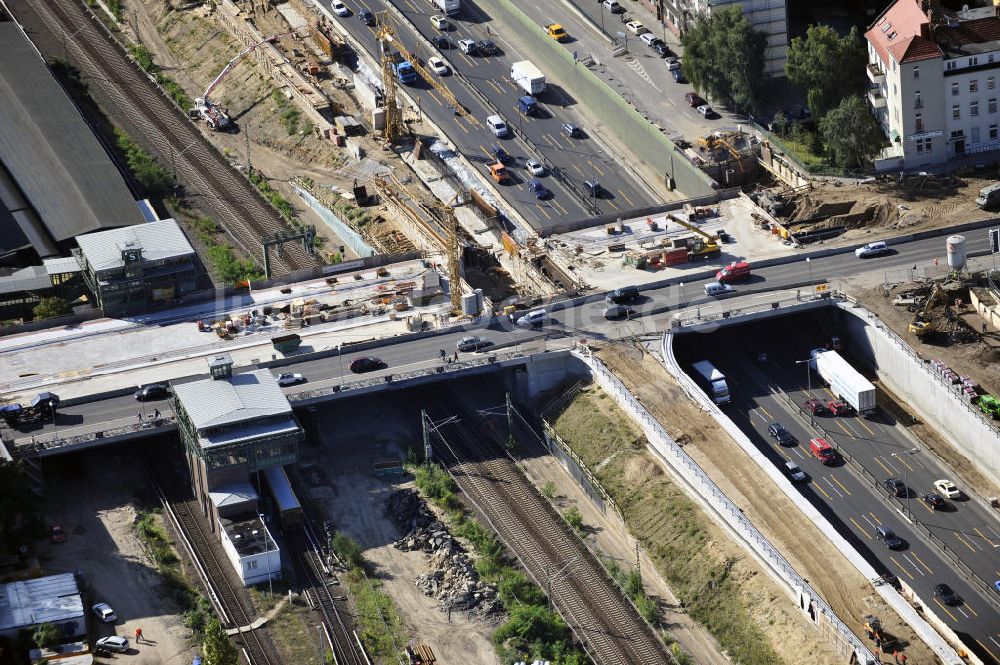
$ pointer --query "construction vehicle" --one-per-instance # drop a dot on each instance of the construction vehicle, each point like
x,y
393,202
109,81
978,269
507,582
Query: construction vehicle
x,y
404,70
499,173
556,32
921,325
989,405
707,245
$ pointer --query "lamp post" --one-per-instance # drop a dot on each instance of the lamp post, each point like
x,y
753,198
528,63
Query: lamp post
x,y
340,359
906,487
811,285
808,364
270,584
680,302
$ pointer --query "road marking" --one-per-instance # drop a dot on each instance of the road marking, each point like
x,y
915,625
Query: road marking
x,y
914,555
636,66
966,605
798,451
823,491
753,412
983,536
872,520
625,196
901,567
919,572
924,504
578,170
946,610
879,462
830,393
841,423
485,151
861,528
472,63
902,460
766,412
547,215
963,541
548,140
836,491
862,421
558,205
596,168
841,485
612,204
499,90
986,649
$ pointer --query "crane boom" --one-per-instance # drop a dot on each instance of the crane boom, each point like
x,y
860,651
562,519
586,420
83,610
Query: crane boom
x,y
236,60
691,227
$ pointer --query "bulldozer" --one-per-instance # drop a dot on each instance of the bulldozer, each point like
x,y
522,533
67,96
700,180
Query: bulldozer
x,y
989,405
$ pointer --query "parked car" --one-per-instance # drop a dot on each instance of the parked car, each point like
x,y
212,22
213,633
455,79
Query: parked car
x,y
339,8
636,27
613,6
946,594
838,407
535,167
288,379
650,40
57,534
694,100
104,612
613,312
438,66
814,406
538,189
571,130
152,391
533,318
933,501
778,432
661,50
367,18
366,364
678,76
948,489
115,643
472,343
706,111
440,22
872,249
795,472
895,486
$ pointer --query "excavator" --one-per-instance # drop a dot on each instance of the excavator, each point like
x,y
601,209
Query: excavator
x,y
706,245
920,326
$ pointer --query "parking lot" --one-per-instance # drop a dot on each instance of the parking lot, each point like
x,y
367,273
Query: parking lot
x,y
772,389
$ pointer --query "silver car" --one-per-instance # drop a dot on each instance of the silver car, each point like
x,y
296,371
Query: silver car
x,y
115,643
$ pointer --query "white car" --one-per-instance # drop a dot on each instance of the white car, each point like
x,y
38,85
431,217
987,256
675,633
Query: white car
x,y
438,66
535,167
113,643
713,289
872,249
647,38
105,613
706,111
673,64
339,8
440,22
636,27
947,489
533,318
285,380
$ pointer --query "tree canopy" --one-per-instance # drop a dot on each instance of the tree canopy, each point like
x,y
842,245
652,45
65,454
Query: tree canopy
x,y
49,307
852,136
724,58
827,66
19,508
218,649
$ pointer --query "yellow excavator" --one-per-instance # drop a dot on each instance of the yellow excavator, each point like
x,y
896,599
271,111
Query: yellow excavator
x,y
920,326
706,245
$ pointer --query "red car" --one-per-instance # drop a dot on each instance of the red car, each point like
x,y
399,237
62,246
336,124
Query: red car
x,y
58,535
694,100
838,408
814,406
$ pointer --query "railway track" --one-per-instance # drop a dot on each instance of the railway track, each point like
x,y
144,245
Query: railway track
x,y
236,609
234,201
609,627
341,640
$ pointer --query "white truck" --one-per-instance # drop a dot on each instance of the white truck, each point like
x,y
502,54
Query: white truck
x,y
845,381
449,7
712,381
528,77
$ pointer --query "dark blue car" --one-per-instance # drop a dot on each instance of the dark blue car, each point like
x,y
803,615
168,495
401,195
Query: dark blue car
x,y
536,186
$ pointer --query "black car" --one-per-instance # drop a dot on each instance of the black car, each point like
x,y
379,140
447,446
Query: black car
x,y
367,18
946,594
441,42
662,50
472,344
486,47
622,295
366,364
894,486
780,434
152,391
934,501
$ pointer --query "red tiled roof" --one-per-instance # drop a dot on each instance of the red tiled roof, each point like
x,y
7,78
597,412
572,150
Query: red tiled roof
x,y
898,34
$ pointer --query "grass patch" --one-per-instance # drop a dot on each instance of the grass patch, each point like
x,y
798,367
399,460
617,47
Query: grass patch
x,y
148,172
382,631
296,636
670,526
144,58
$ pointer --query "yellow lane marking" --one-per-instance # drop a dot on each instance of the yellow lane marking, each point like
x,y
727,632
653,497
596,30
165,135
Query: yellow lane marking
x,y
901,567
987,650
862,422
966,605
877,520
577,169
766,412
485,151
612,204
495,86
964,541
558,205
902,459
834,479
861,528
595,167
879,462
924,504
983,536
472,63
830,393
753,412
820,488
921,561
946,610
841,423
625,196
547,215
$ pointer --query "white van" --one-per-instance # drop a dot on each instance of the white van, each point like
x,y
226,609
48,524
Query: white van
x,y
497,126
989,196
713,289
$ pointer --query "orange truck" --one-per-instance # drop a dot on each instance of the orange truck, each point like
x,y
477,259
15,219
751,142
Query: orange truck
x,y
556,32
499,173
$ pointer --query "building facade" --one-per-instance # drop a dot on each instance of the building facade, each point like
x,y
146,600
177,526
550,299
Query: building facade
x,y
933,77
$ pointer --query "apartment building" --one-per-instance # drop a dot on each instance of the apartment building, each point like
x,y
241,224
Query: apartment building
x,y
934,82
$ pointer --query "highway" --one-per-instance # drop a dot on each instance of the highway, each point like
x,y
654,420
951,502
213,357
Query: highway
x,y
968,528
574,160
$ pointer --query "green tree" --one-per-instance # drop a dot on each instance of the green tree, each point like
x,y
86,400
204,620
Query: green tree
x,y
218,649
724,58
827,66
46,635
19,508
853,137
531,625
147,171
49,307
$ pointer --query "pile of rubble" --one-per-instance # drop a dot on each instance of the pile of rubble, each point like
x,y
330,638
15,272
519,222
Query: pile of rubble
x,y
452,579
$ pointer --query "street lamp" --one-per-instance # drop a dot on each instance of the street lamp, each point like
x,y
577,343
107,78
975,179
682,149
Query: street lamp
x,y
808,364
270,584
811,285
602,18
680,302
906,487
340,359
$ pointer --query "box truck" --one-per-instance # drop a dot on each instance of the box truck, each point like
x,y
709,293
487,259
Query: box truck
x,y
528,77
449,7
845,381
712,381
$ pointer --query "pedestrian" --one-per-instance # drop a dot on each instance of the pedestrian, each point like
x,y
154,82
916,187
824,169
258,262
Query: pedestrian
x,y
156,414
902,659
936,262
984,327
456,353
443,354
138,414
895,656
138,635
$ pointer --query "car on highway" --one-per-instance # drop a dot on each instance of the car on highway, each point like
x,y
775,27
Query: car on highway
x,y
948,489
487,47
571,129
694,100
615,312
339,8
933,501
438,66
104,612
895,486
838,407
636,27
593,187
714,289
472,343
468,46
778,432
367,18
288,379
57,534
152,391
497,126
535,167
888,537
946,594
623,294
115,643
533,318
814,406
499,173
996,585
500,154
871,249
822,450
366,364
613,6
441,42
795,472
538,189
440,22
706,111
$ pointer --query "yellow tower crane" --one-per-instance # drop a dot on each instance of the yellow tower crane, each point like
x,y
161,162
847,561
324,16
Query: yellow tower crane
x,y
393,114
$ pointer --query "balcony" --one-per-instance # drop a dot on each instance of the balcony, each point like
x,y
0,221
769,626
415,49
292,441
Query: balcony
x,y
876,99
875,74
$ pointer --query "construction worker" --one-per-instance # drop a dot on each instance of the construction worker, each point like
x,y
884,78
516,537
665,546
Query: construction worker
x,y
138,635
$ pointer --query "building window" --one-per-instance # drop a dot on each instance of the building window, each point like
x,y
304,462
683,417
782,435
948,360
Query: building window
x,y
954,89
927,145
920,145
923,145
974,85
994,133
956,112
917,102
973,62
974,135
991,83
991,105
950,64
252,564
916,72
974,109
919,127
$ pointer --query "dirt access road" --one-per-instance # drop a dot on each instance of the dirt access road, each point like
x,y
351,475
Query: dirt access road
x,y
849,594
92,496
